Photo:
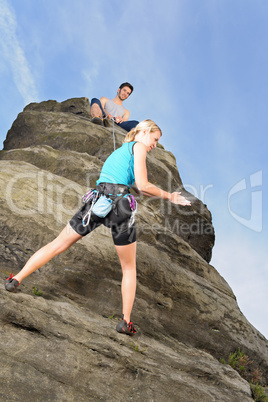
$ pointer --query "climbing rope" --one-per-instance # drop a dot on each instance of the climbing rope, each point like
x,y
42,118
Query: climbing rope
x,y
113,132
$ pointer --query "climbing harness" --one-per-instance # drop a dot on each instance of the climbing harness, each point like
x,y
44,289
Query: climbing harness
x,y
108,196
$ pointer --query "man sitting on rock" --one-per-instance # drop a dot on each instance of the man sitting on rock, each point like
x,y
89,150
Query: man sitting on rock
x,y
113,108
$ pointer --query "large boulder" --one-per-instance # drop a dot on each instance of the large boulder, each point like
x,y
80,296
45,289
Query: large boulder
x,y
64,340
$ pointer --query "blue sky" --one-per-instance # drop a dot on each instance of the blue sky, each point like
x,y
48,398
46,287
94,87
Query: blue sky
x,y
199,69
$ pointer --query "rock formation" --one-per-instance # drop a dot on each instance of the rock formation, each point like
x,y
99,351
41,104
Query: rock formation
x,y
58,338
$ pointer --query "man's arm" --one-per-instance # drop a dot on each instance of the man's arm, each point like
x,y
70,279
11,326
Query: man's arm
x,y
125,117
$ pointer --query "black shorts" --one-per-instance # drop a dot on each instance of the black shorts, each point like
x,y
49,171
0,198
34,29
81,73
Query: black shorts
x,y
117,220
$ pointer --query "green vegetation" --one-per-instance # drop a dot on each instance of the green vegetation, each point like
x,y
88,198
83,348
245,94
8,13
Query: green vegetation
x,y
240,362
136,347
258,393
36,292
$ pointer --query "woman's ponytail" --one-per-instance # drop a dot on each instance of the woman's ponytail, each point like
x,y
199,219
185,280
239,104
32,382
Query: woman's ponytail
x,y
143,125
131,135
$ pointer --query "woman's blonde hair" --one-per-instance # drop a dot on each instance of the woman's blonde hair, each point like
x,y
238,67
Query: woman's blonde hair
x,y
143,125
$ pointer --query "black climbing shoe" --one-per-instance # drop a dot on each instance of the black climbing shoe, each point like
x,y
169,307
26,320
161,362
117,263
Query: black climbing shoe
x,y
126,328
107,123
97,120
11,284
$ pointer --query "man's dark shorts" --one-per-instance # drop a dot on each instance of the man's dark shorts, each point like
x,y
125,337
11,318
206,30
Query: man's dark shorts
x,y
116,220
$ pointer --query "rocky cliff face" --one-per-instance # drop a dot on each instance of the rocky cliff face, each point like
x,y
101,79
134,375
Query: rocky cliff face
x,y
62,345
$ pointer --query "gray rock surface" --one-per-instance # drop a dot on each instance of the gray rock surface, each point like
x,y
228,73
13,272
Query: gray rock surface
x,y
62,345
57,351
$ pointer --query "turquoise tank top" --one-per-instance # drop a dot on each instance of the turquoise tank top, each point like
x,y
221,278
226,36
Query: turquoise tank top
x,y
119,166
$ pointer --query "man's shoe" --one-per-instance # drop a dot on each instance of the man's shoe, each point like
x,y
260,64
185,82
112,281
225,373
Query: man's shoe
x,y
126,328
97,120
107,123
11,284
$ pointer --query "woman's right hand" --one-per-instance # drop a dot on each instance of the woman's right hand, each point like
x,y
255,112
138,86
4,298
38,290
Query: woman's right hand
x,y
179,199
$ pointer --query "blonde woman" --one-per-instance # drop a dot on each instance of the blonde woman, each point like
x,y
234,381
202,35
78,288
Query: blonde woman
x,y
112,205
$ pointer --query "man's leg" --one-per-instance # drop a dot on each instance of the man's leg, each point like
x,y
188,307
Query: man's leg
x,y
96,109
128,125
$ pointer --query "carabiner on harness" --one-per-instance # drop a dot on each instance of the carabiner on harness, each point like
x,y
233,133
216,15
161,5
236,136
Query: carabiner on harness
x,y
90,196
134,207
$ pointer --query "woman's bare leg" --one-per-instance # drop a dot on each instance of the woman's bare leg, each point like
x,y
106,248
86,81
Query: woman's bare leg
x,y
65,239
127,257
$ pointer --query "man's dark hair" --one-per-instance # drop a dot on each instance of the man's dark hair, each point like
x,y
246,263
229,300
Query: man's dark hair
x,y
127,84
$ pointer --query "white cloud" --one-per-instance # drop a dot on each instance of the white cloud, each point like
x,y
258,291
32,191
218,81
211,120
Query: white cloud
x,y
91,76
14,54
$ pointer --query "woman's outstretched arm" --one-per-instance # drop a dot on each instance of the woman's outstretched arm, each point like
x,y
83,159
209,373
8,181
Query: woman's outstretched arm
x,y
147,188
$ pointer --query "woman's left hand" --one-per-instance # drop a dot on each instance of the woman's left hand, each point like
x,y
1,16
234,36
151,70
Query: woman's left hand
x,y
178,199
